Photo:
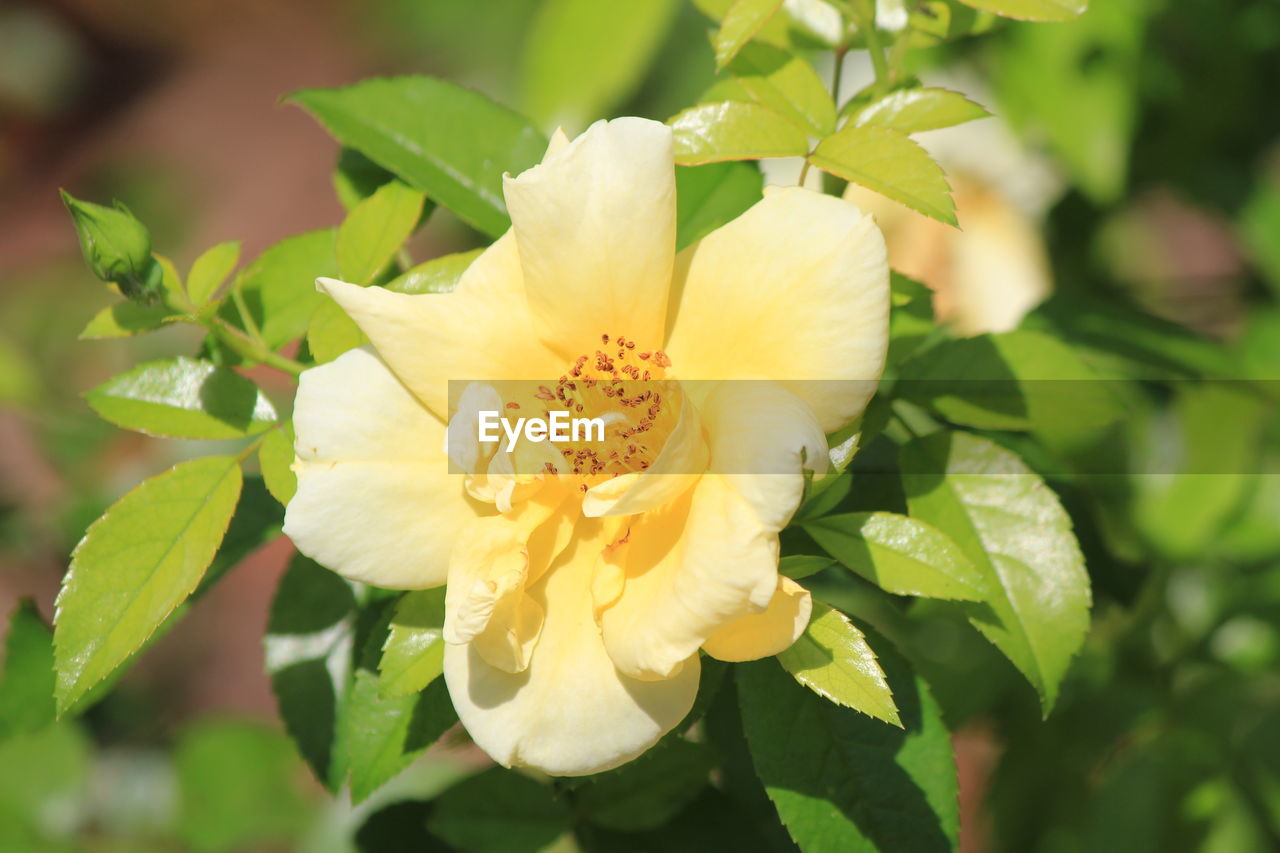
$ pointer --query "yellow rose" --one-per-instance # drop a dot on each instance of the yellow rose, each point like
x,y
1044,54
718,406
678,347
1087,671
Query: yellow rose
x,y
577,601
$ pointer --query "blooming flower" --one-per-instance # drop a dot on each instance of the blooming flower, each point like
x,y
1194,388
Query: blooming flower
x,y
579,594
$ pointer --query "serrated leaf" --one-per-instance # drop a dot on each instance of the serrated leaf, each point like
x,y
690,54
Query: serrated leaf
x,y
841,781
332,332
308,648
891,164
210,270
183,398
833,660
733,130
1032,10
413,656
257,520
742,21
647,792
780,81
797,566
279,287
916,110
497,811
275,458
26,686
136,563
899,554
452,143
375,229
438,275
1014,530
382,734
1010,381
711,195
582,56
125,319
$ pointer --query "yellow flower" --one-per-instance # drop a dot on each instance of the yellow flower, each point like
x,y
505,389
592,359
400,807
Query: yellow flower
x,y
577,602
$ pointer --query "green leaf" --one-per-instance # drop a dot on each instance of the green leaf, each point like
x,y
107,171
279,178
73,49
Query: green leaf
x,y
1010,381
183,398
911,320
797,566
383,734
780,81
125,319
647,792
916,110
275,458
842,781
1032,10
210,270
257,520
117,247
356,177
44,774
497,811
832,659
237,787
332,332
279,287
583,57
374,231
1014,530
438,275
889,163
901,555
711,195
26,687
452,143
413,656
733,130
136,563
308,656
400,828
743,20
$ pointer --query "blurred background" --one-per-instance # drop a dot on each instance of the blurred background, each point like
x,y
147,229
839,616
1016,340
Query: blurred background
x,y
1135,162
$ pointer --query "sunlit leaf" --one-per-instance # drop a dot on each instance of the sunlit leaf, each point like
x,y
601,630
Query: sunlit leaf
x,y
584,56
889,163
711,195
742,21
832,659
275,457
452,143
1032,10
733,130
413,656
842,781
915,110
782,82
279,287
125,319
332,332
1014,530
183,398
374,231
210,270
438,275
136,563
901,555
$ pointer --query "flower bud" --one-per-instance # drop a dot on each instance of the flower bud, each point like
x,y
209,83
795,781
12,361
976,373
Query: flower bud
x,y
117,247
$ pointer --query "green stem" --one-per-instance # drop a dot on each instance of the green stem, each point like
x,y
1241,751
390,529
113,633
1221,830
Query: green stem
x,y
253,446
879,62
251,349
246,316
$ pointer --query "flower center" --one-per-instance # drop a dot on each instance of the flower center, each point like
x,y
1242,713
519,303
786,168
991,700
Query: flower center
x,y
627,388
